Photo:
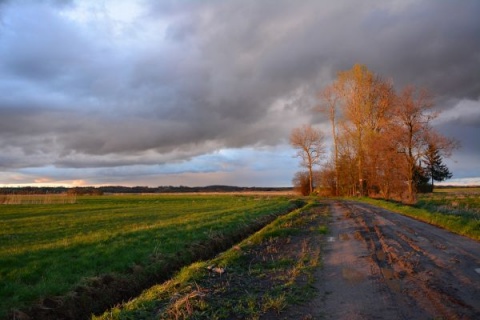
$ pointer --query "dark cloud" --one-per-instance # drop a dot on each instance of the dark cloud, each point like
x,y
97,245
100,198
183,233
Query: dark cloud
x,y
85,86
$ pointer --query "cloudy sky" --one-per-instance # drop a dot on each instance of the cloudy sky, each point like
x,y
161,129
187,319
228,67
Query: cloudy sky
x,y
161,92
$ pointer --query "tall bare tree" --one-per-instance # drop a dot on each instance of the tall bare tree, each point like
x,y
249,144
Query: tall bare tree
x,y
414,114
366,100
329,104
310,146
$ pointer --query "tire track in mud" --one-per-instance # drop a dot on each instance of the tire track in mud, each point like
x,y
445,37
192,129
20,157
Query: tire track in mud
x,y
409,269
351,285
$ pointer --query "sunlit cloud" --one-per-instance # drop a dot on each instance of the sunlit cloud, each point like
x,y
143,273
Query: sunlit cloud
x,y
42,180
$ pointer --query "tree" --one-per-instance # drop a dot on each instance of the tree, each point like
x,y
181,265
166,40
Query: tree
x,y
379,136
414,135
310,145
435,169
329,99
366,101
385,178
414,115
421,180
326,180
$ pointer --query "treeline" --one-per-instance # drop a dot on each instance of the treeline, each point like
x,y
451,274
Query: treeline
x,y
383,141
136,189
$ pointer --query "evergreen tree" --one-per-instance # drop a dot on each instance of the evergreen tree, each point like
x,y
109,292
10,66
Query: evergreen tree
x,y
435,169
421,178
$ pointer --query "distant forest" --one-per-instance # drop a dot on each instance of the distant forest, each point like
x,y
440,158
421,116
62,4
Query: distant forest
x,y
137,189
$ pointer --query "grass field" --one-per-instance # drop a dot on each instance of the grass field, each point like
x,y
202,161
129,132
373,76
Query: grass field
x,y
454,209
453,201
50,249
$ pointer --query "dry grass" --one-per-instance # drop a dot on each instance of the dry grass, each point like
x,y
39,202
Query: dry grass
x,y
38,199
181,306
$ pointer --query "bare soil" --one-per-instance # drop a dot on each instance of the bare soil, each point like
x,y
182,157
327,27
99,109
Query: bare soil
x,y
380,265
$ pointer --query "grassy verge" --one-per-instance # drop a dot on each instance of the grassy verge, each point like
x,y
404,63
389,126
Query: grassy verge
x,y
261,276
465,224
80,257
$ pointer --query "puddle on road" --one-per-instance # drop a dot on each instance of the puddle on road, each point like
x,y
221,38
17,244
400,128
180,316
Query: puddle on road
x,y
358,235
391,280
380,255
387,273
331,239
344,236
477,270
352,275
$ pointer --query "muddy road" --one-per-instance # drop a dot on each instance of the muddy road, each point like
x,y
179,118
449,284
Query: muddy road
x,y
381,265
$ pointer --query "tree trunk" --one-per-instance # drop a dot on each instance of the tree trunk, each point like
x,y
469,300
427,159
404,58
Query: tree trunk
x,y
360,163
335,146
310,172
310,176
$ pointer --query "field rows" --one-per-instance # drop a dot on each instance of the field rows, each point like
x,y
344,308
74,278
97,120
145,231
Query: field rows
x,y
49,249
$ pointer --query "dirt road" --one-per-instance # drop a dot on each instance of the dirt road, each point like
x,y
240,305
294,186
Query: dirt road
x,y
381,265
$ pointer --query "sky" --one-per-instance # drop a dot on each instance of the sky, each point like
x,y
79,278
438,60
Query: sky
x,y
163,92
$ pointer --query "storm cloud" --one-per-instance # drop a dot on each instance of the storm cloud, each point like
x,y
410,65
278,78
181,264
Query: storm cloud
x,y
140,87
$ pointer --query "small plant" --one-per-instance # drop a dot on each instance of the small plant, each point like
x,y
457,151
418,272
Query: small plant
x,y
323,229
276,303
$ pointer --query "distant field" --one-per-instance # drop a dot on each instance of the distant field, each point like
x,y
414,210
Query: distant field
x,y
37,198
453,201
50,249
458,190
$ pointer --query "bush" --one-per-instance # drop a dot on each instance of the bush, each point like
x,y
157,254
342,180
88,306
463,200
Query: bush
x,y
301,183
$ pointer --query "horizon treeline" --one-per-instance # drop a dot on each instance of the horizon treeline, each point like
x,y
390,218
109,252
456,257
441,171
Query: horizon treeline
x,y
380,137
137,189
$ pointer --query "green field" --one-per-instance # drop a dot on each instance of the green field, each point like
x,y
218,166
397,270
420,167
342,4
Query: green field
x,y
453,200
454,209
51,249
